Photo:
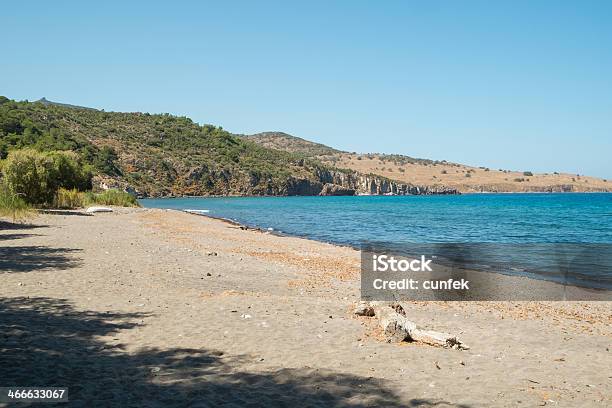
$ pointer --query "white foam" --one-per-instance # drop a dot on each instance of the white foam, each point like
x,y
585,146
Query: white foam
x,y
197,211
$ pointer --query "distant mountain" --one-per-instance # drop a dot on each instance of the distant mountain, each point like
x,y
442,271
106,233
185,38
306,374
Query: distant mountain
x,y
45,101
425,172
165,155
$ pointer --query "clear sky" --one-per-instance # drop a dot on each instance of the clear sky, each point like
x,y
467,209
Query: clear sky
x,y
521,85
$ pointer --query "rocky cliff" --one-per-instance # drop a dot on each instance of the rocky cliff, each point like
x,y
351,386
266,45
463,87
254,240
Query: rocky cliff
x,y
369,184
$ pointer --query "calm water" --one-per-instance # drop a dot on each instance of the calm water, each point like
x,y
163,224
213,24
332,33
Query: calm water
x,y
470,218
496,218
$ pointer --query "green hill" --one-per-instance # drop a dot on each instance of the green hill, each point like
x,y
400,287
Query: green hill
x,y
164,155
155,154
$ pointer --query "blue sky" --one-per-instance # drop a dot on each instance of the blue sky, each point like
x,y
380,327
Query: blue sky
x,y
514,85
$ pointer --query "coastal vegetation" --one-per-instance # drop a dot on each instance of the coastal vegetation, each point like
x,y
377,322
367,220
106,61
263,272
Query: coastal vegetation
x,y
164,155
12,205
32,178
73,198
37,176
157,154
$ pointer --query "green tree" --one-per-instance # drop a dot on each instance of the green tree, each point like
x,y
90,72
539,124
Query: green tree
x,y
105,160
36,176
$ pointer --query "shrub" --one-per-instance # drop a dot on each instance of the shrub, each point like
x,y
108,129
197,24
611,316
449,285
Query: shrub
x,y
519,180
69,198
13,206
77,199
36,176
468,175
112,197
443,172
69,172
527,173
105,161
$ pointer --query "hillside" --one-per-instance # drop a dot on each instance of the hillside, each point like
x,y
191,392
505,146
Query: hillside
x,y
415,171
293,144
165,155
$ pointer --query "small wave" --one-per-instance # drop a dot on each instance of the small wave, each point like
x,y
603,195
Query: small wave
x,y
197,211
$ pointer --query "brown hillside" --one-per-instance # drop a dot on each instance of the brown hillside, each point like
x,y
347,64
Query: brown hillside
x,y
409,170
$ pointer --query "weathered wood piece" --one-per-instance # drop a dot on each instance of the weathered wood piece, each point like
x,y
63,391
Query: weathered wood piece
x,y
396,326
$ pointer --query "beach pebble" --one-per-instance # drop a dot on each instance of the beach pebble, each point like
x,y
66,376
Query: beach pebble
x,y
245,316
363,309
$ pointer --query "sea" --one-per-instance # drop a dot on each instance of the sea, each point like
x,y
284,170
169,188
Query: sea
x,y
522,229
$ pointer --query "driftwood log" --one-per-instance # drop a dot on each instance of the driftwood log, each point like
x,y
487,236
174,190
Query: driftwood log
x,y
397,328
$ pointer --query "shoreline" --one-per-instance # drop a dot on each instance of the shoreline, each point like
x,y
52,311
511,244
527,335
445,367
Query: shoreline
x,y
380,195
602,294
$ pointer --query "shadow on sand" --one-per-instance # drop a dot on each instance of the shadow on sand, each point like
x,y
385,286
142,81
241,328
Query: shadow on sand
x,y
77,213
33,258
5,225
8,237
47,342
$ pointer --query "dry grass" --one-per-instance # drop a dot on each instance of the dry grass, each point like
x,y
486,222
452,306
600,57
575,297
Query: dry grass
x,y
454,175
77,199
13,206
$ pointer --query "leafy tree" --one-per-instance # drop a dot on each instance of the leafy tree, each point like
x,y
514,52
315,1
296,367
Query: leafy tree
x,y
36,176
104,161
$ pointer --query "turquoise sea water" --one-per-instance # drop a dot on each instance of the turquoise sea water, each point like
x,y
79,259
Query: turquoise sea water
x,y
470,218
496,218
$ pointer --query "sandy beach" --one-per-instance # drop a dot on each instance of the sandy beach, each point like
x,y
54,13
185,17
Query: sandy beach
x,y
177,309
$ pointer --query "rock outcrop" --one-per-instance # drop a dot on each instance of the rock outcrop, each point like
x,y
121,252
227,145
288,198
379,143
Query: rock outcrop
x,y
202,181
330,189
370,184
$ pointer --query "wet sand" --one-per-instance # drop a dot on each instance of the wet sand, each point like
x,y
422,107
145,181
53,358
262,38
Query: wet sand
x,y
163,308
